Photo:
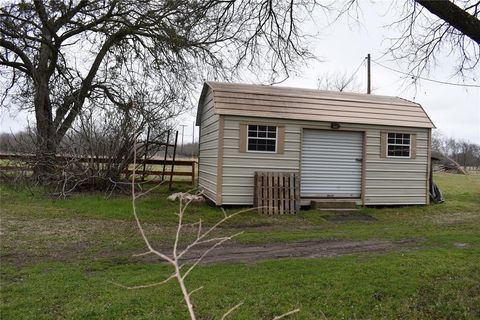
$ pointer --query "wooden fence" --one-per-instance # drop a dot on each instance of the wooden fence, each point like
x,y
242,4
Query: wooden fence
x,y
188,166
277,192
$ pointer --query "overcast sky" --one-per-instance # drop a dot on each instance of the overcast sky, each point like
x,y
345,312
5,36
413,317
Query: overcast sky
x,y
454,110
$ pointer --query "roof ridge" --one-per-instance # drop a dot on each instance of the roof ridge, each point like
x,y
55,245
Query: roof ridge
x,y
278,87
269,101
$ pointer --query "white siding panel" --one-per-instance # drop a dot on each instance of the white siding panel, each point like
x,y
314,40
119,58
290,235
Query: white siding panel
x,y
211,126
395,200
397,184
209,161
208,146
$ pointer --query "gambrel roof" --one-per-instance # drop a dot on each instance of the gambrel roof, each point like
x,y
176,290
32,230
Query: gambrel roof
x,y
314,105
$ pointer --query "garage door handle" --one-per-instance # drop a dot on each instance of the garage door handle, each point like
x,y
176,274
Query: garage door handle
x,y
359,159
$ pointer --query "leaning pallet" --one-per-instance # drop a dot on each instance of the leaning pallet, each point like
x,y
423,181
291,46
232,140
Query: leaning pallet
x,y
277,192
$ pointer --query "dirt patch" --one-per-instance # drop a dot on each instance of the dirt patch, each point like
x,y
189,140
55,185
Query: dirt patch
x,y
25,240
245,253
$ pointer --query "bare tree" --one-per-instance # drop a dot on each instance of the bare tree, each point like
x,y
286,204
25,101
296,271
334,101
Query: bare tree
x,y
95,154
338,82
430,28
22,142
425,36
457,152
57,57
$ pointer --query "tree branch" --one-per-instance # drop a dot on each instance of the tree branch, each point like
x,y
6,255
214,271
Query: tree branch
x,y
457,17
12,47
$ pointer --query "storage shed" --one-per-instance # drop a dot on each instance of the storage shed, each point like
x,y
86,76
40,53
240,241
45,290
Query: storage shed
x,y
368,148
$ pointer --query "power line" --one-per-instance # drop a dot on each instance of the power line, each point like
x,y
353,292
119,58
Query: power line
x,y
427,79
356,71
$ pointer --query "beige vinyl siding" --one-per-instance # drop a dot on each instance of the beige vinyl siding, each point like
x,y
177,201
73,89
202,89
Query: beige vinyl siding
x,y
238,167
387,180
208,146
396,180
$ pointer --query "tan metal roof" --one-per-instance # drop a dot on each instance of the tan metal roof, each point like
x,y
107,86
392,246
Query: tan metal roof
x,y
316,105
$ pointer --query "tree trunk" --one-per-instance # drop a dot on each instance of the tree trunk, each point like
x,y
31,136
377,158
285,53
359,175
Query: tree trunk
x,y
44,166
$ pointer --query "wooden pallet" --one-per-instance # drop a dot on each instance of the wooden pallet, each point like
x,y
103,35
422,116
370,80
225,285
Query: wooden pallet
x,y
277,192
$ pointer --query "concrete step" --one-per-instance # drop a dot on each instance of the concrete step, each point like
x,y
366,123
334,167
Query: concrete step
x,y
339,210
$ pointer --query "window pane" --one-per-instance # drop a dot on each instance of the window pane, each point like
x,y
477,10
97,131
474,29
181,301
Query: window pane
x,y
398,145
398,151
403,151
262,138
252,130
271,145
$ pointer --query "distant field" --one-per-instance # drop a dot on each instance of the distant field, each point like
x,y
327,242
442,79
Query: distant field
x,y
60,257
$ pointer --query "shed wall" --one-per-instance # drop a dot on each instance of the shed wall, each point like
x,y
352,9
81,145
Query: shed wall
x,y
387,180
208,146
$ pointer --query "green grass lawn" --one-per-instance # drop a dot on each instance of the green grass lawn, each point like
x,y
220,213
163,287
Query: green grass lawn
x,y
59,259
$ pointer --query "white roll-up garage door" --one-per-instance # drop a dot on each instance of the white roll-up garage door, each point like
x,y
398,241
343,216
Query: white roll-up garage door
x,y
331,164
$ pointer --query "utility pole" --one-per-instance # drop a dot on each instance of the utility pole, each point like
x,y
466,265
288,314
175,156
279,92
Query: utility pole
x,y
146,153
183,129
193,132
369,89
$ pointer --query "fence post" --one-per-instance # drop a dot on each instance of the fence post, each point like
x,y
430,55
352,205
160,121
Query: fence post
x,y
193,173
165,154
173,161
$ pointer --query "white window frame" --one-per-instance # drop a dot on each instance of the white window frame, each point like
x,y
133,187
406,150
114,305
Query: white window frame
x,y
265,138
409,145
